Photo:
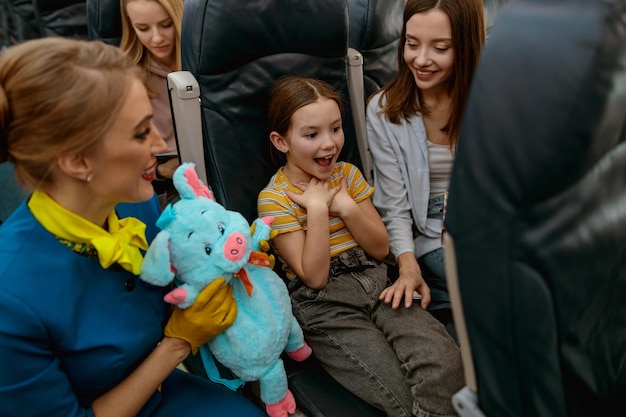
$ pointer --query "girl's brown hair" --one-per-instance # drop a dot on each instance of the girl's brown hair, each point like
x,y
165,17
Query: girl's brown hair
x,y
467,21
58,96
290,93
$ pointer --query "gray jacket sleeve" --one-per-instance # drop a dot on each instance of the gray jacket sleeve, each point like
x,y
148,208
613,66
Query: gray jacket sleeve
x,y
391,197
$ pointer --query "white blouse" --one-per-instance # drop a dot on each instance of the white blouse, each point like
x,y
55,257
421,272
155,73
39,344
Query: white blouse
x,y
440,160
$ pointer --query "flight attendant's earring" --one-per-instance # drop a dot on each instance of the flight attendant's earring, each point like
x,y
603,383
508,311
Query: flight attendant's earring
x,y
89,178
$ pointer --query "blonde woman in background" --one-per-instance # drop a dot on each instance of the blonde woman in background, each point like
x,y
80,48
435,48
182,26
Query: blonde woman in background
x,y
151,38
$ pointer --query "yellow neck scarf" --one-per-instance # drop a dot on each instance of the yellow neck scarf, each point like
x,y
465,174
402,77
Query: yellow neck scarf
x,y
121,243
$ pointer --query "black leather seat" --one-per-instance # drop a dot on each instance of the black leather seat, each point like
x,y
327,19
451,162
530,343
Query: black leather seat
x,y
104,21
21,20
375,27
537,212
236,53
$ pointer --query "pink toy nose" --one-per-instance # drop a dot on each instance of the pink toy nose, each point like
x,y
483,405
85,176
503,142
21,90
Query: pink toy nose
x,y
235,247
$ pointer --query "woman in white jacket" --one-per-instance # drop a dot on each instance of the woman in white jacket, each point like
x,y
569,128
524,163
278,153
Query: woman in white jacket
x,y
413,124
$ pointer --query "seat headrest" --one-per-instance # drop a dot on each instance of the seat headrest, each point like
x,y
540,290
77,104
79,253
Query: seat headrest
x,y
236,54
374,23
260,29
104,21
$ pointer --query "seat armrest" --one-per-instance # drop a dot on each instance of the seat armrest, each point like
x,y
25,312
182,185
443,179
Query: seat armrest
x,y
184,93
356,90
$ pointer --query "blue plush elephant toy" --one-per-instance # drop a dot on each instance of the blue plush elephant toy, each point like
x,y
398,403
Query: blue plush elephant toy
x,y
201,241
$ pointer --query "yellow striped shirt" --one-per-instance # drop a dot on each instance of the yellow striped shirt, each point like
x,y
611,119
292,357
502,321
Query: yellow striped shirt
x,y
289,216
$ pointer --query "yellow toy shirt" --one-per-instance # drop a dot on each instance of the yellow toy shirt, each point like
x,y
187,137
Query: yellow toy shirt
x,y
289,216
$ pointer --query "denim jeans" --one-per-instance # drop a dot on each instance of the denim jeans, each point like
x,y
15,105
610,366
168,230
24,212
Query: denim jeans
x,y
401,361
434,259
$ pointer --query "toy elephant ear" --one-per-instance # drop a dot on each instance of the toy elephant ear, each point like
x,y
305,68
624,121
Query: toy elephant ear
x,y
188,184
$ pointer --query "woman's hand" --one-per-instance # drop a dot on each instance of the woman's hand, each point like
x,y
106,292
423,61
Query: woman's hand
x,y
167,168
409,281
213,312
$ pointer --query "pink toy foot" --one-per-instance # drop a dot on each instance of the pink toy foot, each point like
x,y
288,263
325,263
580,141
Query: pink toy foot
x,y
301,354
282,408
268,220
176,296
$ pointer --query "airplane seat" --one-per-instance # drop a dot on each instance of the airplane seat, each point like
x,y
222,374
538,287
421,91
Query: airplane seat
x,y
536,218
21,20
67,18
231,56
12,192
375,32
492,8
104,21
236,54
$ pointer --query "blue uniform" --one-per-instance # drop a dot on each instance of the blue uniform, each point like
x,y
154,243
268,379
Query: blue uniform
x,y
71,330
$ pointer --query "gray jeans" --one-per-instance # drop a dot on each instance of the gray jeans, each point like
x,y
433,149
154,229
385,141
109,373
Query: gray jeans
x,y
401,361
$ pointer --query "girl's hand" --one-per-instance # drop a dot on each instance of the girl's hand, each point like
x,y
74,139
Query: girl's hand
x,y
342,201
315,192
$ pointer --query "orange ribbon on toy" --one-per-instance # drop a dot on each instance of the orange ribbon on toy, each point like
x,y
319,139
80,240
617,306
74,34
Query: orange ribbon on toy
x,y
256,258
243,276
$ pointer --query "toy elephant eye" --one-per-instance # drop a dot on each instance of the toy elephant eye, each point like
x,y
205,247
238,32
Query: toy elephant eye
x,y
208,249
221,228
